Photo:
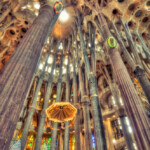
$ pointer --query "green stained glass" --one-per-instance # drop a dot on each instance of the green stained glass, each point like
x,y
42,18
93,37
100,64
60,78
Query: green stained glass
x,y
112,42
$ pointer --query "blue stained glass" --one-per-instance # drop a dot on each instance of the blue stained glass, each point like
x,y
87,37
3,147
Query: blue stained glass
x,y
93,139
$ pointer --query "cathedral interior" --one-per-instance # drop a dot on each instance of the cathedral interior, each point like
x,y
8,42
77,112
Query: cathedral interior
x,y
74,74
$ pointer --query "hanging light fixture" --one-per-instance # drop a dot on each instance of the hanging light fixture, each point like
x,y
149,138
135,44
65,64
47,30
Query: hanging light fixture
x,y
61,112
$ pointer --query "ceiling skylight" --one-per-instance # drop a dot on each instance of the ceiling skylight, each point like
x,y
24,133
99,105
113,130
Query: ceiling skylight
x,y
64,16
36,5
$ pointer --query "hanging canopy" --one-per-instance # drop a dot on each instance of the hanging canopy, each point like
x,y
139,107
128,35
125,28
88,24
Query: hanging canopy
x,y
61,112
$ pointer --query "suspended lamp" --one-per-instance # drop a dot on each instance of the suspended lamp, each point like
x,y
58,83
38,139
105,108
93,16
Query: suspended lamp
x,y
61,112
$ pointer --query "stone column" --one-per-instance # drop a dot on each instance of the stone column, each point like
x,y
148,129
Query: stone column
x,y
109,134
46,103
76,104
85,105
66,135
33,106
144,46
92,31
133,105
126,54
122,115
61,140
24,108
82,141
135,111
140,74
139,71
97,115
55,124
17,75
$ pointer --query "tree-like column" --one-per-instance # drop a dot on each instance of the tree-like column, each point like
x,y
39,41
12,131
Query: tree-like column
x,y
17,75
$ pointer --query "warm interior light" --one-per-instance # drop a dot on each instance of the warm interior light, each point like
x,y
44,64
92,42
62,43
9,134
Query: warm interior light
x,y
121,102
24,7
46,68
29,6
41,66
49,69
64,70
64,16
114,141
66,61
60,46
96,42
50,60
36,13
113,100
36,5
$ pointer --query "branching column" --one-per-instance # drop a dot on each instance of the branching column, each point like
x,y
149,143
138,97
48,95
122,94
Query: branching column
x,y
25,105
55,124
92,31
121,112
97,115
66,135
33,106
144,46
17,75
76,104
46,103
122,115
140,74
85,104
133,105
86,114
139,71
109,134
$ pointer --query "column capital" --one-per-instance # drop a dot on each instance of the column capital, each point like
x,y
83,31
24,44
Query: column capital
x,y
139,71
85,100
77,105
121,112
